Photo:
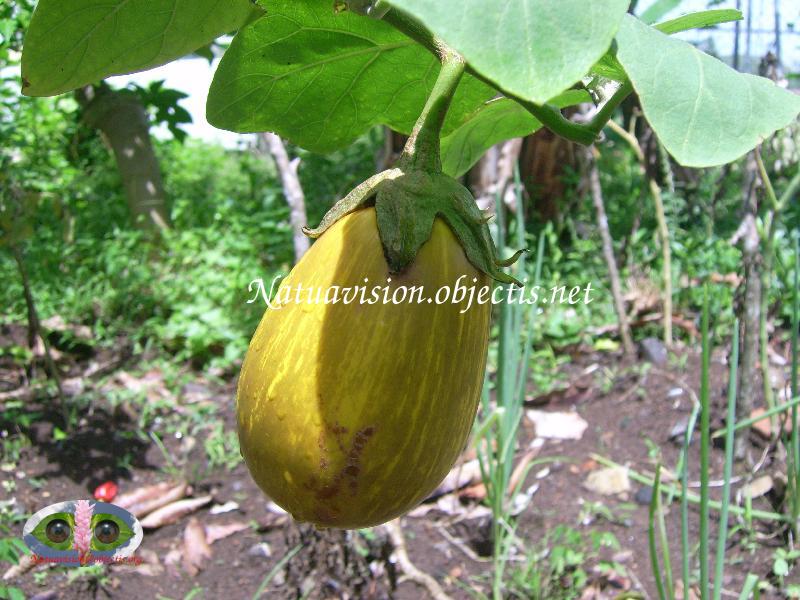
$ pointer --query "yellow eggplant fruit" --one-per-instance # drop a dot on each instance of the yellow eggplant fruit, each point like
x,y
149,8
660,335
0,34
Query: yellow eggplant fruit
x,y
351,414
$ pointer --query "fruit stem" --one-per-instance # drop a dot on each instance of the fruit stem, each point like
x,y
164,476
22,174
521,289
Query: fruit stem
x,y
422,149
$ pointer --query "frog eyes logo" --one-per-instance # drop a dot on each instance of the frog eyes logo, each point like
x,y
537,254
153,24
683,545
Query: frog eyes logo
x,y
82,531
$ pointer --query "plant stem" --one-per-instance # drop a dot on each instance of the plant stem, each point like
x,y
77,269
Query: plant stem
x,y
770,227
719,566
795,450
694,498
704,450
548,115
684,471
766,414
662,533
596,191
35,331
422,149
651,534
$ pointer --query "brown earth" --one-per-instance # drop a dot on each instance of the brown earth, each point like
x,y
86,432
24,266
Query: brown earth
x,y
630,409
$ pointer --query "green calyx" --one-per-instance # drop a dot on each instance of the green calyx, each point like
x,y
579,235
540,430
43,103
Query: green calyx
x,y
408,198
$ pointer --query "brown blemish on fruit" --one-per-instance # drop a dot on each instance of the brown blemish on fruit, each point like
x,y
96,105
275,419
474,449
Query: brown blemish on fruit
x,y
351,470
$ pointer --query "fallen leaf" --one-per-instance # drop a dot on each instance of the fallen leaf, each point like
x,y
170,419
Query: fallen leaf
x,y
219,509
173,512
758,487
171,561
474,492
150,566
196,548
557,425
520,470
762,426
141,494
217,532
274,508
150,505
460,476
25,564
610,481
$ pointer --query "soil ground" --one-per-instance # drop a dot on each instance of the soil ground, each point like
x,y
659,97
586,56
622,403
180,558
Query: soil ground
x,y
630,409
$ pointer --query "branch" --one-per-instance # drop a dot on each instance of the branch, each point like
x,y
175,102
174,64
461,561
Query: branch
x,y
292,189
411,571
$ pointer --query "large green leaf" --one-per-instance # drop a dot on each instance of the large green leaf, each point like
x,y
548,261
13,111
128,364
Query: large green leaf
x,y
704,112
321,79
493,122
533,49
71,43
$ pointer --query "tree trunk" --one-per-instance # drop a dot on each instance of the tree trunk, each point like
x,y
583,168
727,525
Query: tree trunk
x,y
390,150
608,253
35,332
661,219
123,122
292,189
545,159
749,307
494,173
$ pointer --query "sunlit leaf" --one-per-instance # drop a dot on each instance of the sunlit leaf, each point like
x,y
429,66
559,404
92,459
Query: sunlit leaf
x,y
77,42
534,49
321,79
704,112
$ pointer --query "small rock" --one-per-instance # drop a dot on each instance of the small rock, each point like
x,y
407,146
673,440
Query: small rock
x,y
654,351
622,556
192,393
521,501
678,431
557,425
644,495
758,487
260,550
608,482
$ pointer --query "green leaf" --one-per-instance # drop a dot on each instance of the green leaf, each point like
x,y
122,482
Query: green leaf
x,y
780,567
74,43
704,112
705,18
658,10
533,49
493,122
321,79
608,66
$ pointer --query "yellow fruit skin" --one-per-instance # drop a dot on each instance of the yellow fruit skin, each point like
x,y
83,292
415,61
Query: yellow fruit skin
x,y
351,414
